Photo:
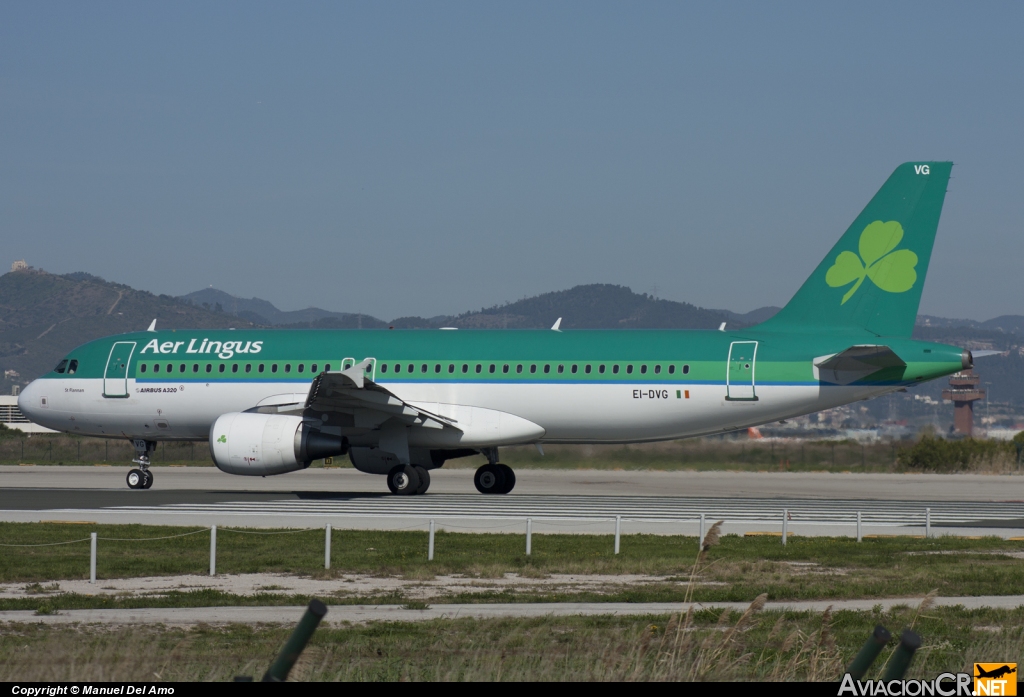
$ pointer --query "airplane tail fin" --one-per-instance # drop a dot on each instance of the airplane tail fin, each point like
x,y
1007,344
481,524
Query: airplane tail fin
x,y
872,278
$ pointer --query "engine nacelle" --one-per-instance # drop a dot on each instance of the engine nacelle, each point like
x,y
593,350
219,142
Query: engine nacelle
x,y
264,444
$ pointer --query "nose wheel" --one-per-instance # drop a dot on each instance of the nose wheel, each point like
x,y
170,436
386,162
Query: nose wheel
x,y
494,479
139,479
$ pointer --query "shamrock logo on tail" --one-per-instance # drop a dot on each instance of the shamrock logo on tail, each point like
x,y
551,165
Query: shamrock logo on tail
x,y
892,271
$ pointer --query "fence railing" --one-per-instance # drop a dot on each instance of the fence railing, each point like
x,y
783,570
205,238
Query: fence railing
x,y
432,527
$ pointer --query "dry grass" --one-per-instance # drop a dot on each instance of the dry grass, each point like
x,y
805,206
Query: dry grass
x,y
754,645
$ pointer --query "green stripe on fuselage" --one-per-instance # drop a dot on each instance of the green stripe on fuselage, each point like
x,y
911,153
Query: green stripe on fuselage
x,y
782,358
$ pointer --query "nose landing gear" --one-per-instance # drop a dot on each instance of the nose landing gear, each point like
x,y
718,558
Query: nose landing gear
x,y
141,478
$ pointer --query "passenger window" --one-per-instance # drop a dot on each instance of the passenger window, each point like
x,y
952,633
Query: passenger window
x,y
561,368
62,366
142,369
643,369
287,367
671,370
260,369
451,368
465,368
686,369
222,367
209,367
195,367
170,368
73,366
600,368
398,367
574,368
312,368
533,368
302,367
273,368
491,369
519,368
547,367
383,367
248,367
423,368
234,368
615,368
657,369
586,369
327,367
479,367
629,369
504,368
181,368
437,367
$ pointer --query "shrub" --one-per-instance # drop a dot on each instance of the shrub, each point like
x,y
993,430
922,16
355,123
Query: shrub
x,y
932,454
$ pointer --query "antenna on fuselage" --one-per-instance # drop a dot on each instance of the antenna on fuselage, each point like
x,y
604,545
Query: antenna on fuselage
x,y
152,326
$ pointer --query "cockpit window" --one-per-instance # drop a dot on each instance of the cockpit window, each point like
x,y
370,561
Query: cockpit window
x,y
61,366
72,367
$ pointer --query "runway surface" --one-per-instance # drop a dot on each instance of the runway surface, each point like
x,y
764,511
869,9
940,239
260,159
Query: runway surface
x,y
564,500
337,614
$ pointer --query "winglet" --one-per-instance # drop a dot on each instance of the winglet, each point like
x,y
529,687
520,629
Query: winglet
x,y
152,326
557,324
721,327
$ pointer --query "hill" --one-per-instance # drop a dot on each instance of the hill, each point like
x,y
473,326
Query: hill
x,y
43,316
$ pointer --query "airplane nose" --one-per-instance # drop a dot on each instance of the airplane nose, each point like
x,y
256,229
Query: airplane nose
x,y
28,401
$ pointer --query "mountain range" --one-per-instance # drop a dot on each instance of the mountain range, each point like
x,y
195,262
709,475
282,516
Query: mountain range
x,y
43,316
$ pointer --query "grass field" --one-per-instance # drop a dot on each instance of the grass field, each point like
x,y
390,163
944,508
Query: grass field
x,y
738,569
760,646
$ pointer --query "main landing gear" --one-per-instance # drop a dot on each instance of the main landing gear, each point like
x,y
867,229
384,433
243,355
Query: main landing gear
x,y
408,480
494,477
141,478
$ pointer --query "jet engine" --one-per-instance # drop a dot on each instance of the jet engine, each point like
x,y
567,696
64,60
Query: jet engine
x,y
263,444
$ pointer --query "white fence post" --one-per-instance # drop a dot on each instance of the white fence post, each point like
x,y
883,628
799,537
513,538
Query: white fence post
x,y
327,547
618,529
785,524
529,536
430,545
213,550
92,557
700,540
859,536
927,522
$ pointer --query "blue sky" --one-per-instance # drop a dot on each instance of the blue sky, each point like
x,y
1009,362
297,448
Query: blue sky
x,y
429,158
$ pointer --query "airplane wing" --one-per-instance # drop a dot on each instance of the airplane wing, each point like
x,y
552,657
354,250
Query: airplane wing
x,y
856,363
366,404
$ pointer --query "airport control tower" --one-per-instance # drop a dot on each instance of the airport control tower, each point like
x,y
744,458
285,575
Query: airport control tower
x,y
963,392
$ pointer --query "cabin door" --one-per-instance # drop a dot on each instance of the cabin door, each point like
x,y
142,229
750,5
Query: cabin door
x,y
739,380
115,376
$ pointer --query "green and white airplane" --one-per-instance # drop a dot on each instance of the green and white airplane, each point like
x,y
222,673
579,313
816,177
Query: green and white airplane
x,y
401,403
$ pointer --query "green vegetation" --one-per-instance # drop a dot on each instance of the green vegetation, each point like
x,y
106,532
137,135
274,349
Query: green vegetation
x,y
738,569
759,646
932,454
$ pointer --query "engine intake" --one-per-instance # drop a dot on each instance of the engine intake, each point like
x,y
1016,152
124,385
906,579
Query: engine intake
x,y
264,444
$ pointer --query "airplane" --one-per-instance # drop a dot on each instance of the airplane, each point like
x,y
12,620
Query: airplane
x,y
402,403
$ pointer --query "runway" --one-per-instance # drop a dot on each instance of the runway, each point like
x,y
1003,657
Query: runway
x,y
556,500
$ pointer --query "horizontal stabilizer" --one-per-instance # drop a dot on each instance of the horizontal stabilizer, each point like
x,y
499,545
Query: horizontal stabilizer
x,y
855,363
